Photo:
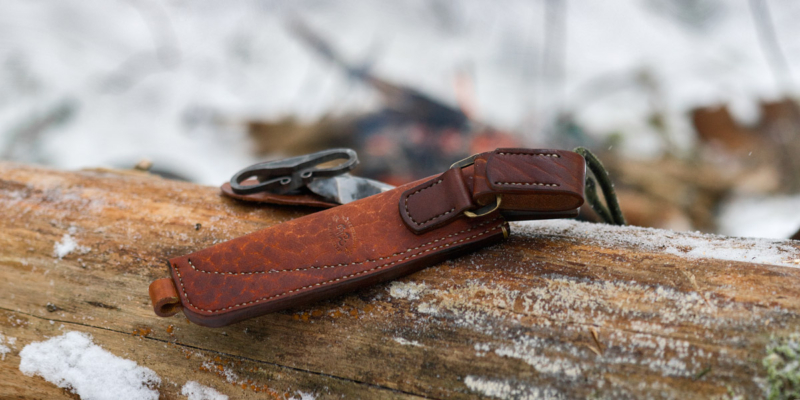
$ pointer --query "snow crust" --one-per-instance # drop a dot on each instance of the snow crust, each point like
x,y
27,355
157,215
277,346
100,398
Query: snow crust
x,y
406,342
306,395
67,245
406,290
196,391
690,245
74,362
501,389
6,341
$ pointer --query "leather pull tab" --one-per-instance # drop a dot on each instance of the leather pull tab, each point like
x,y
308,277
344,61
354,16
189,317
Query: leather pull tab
x,y
532,180
435,202
164,296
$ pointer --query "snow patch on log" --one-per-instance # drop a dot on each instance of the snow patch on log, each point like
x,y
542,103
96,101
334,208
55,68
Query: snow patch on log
x,y
502,389
406,290
224,372
4,349
306,395
574,305
196,391
67,245
690,245
74,362
529,349
405,342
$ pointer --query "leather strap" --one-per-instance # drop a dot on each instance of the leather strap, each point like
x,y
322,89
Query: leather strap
x,y
435,202
526,182
368,241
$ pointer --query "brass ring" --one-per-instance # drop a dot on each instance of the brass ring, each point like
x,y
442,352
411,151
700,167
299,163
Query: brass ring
x,y
483,211
466,162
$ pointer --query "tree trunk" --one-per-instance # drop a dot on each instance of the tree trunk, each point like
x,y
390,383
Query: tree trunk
x,y
560,310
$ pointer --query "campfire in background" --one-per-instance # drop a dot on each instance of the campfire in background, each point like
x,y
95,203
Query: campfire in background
x,y
413,136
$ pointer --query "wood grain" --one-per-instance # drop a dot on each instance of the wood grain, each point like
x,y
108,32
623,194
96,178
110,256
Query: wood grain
x,y
543,315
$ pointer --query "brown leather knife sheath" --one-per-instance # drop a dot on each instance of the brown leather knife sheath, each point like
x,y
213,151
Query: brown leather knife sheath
x,y
371,240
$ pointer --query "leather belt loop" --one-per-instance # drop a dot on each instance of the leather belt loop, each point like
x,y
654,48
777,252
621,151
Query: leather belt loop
x,y
521,183
481,191
436,202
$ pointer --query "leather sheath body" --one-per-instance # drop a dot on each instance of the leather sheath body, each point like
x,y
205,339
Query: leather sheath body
x,y
371,240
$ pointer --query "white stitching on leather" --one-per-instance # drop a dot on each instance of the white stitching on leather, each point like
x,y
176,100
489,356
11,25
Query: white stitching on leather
x,y
429,219
527,183
186,295
554,155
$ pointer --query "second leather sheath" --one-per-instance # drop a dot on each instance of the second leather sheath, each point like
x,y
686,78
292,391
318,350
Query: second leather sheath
x,y
375,239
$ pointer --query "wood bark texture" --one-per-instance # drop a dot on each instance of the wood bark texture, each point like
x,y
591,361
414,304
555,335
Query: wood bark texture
x,y
547,314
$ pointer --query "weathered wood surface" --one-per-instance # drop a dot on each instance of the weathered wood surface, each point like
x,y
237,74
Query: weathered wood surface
x,y
547,314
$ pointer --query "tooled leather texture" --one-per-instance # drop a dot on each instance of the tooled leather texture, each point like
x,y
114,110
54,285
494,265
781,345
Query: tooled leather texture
x,y
316,256
535,182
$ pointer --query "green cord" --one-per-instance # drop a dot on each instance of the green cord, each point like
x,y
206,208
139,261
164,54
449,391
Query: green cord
x,y
612,214
594,201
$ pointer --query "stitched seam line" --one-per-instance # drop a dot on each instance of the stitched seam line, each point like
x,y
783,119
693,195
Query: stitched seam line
x,y
186,295
272,271
429,219
531,154
527,184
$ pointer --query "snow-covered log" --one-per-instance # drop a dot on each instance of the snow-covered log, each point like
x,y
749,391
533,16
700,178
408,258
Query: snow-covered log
x,y
562,309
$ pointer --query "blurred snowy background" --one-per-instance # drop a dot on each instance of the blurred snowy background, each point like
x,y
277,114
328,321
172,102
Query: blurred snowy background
x,y
200,87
